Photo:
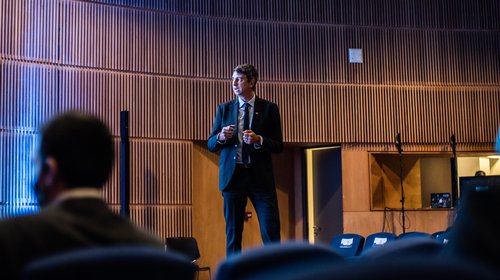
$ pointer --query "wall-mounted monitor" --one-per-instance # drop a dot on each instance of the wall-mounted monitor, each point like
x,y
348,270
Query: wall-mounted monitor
x,y
478,184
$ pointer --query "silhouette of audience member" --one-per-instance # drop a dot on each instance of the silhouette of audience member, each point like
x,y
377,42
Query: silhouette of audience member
x,y
74,160
480,173
474,234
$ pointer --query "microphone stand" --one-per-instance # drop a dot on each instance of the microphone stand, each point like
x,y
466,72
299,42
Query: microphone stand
x,y
400,153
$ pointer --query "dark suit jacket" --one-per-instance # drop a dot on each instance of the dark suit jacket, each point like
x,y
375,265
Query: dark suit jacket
x,y
75,223
266,123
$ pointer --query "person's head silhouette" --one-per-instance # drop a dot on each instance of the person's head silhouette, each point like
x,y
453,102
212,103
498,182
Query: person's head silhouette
x,y
480,173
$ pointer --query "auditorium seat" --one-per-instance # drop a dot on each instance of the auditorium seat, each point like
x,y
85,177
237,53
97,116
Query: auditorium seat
x,y
189,247
412,234
348,245
378,239
437,233
410,247
403,268
442,236
276,261
118,262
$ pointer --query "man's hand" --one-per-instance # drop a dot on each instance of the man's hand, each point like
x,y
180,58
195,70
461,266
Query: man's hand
x,y
250,137
226,132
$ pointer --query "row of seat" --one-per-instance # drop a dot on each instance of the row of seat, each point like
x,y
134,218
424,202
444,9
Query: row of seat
x,y
126,262
351,244
411,258
347,245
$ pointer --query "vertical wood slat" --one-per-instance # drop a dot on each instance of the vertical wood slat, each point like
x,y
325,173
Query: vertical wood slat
x,y
161,180
28,30
28,95
161,172
301,57
163,221
87,39
145,97
426,14
17,173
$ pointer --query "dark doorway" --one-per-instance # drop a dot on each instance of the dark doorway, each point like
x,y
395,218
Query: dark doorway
x,y
324,193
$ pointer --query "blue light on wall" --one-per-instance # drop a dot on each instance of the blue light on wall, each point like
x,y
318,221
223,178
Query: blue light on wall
x,y
498,141
17,174
25,99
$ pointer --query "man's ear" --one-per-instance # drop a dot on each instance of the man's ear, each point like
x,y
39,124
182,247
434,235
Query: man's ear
x,y
49,173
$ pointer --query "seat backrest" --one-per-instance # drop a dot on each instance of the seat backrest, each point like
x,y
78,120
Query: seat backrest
x,y
126,262
184,245
442,236
404,268
412,234
437,233
378,239
347,244
407,247
276,261
474,234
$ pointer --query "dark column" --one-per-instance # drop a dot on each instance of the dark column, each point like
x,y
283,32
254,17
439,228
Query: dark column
x,y
124,165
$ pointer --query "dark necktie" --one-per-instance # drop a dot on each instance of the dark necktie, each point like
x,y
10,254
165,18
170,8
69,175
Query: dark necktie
x,y
245,148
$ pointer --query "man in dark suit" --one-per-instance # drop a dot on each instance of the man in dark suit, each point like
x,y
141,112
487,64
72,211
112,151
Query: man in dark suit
x,y
74,161
246,131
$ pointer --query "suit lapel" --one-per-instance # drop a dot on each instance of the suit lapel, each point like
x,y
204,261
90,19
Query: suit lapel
x,y
257,112
234,115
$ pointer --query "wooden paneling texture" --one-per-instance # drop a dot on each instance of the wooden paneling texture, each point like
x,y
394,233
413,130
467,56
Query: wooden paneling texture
x,y
16,177
431,69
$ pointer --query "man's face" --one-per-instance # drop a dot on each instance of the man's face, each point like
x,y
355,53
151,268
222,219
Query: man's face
x,y
39,179
46,181
241,85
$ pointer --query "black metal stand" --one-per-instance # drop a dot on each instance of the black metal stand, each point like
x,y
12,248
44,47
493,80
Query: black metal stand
x,y
124,165
400,153
454,172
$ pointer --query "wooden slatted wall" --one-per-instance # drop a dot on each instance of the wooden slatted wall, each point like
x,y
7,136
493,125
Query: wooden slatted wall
x,y
431,68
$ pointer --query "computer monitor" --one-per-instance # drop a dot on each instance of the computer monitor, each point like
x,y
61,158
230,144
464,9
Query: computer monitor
x,y
478,184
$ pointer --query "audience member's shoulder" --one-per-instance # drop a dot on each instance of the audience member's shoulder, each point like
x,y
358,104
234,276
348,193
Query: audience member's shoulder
x,y
15,227
150,240
18,221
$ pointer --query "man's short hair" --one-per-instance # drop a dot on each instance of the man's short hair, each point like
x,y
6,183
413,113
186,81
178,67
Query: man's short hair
x,y
82,146
249,71
480,173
